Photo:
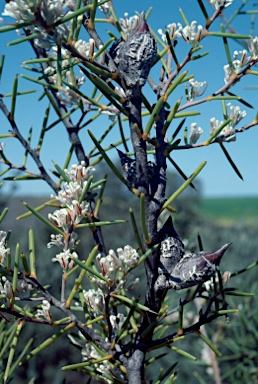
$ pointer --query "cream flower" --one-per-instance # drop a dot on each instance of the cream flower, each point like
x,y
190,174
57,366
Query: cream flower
x,y
173,32
3,249
95,300
128,24
217,4
195,133
21,10
64,259
45,311
6,288
85,49
240,60
254,48
190,34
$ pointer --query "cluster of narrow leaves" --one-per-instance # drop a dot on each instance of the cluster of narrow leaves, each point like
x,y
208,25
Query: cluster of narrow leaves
x,y
104,308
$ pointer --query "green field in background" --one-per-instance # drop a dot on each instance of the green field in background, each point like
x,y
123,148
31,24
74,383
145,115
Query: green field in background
x,y
230,208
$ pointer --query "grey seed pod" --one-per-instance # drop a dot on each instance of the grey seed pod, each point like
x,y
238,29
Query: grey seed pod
x,y
115,49
129,170
195,269
134,57
171,248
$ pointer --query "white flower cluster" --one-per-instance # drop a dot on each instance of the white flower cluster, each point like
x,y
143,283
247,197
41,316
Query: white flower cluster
x,y
236,66
103,368
44,311
125,259
23,286
64,259
22,10
7,292
3,249
235,114
67,95
115,266
117,321
58,240
189,33
195,89
90,353
70,213
195,133
228,132
218,4
254,48
240,60
95,300
105,8
172,31
6,288
85,49
78,174
65,218
128,24
43,15
71,193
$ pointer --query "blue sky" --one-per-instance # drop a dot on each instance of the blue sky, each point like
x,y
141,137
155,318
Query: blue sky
x,y
217,177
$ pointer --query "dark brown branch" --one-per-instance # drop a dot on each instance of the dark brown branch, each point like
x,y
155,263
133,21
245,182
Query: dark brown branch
x,y
34,154
27,319
218,139
21,168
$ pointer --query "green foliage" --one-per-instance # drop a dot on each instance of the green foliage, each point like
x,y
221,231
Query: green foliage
x,y
230,209
236,340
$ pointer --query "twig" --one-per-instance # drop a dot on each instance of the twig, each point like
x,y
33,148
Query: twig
x,y
28,148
